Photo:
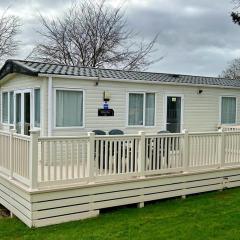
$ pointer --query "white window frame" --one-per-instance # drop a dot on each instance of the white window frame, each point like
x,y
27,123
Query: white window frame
x,y
4,123
55,107
165,109
144,109
8,122
32,106
220,109
22,92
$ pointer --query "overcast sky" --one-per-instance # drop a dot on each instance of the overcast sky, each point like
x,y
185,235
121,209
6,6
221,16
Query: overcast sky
x,y
195,36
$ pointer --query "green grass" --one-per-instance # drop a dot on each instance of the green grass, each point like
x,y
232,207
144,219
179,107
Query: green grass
x,y
207,216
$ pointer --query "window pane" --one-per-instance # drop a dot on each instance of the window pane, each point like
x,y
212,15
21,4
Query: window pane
x,y
69,108
5,107
150,109
135,112
18,112
228,115
37,108
11,108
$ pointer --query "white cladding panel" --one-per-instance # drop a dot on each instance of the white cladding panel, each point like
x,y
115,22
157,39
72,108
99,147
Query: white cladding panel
x,y
200,111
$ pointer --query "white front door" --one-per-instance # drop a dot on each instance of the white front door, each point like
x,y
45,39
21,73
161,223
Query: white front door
x,y
23,111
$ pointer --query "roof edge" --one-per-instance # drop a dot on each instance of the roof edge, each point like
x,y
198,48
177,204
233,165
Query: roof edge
x,y
12,66
137,81
120,70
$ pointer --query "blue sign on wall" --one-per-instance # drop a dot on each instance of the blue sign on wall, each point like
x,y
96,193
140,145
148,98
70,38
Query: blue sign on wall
x,y
105,105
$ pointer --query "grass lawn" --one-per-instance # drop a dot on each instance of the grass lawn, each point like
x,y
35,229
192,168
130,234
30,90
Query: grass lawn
x,y
206,216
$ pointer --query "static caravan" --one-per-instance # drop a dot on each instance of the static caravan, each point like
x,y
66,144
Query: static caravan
x,y
64,100
158,139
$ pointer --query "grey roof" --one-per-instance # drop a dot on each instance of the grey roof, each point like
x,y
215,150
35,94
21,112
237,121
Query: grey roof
x,y
36,68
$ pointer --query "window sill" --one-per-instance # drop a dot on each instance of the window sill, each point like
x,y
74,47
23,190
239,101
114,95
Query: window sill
x,y
68,128
141,126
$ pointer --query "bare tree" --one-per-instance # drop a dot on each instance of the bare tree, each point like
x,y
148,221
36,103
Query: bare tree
x,y
233,70
9,28
91,33
235,12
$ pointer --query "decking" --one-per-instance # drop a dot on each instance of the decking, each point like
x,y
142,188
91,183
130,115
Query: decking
x,y
48,180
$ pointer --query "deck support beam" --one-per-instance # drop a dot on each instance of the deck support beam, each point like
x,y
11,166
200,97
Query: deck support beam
x,y
12,215
140,205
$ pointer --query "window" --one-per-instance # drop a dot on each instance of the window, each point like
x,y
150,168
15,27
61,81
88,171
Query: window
x,y
5,107
141,111
37,108
228,110
11,108
8,107
69,108
150,109
135,112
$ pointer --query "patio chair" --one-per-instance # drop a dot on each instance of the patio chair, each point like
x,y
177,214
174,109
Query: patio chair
x,y
165,154
119,154
152,147
116,132
100,132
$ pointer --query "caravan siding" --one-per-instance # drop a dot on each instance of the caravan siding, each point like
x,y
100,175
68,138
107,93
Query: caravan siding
x,y
201,112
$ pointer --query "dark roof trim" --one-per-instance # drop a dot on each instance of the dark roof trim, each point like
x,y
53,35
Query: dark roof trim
x,y
11,66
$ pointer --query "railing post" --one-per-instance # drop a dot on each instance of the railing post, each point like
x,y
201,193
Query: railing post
x,y
11,166
90,156
141,154
185,151
33,159
221,149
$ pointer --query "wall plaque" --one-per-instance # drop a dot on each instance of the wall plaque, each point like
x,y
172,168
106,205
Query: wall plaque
x,y
105,112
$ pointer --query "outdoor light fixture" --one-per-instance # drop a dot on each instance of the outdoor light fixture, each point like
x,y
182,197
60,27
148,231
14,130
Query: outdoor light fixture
x,y
200,91
106,96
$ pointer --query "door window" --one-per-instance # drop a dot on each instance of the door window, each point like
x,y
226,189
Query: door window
x,y
173,114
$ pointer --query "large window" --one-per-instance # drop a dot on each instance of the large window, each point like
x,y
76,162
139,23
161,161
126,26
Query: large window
x,y
150,109
37,108
7,107
141,110
228,110
69,108
11,107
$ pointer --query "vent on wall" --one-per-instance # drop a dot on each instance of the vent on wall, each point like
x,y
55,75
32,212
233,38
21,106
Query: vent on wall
x,y
175,75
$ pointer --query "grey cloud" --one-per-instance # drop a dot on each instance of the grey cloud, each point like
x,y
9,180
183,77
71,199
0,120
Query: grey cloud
x,y
196,37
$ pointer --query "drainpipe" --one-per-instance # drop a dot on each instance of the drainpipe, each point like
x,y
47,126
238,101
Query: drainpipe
x,y
50,102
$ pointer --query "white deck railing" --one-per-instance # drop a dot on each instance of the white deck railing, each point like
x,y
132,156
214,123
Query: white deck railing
x,y
52,161
62,158
230,128
15,156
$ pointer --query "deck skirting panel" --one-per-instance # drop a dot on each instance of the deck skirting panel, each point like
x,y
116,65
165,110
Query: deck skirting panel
x,y
51,207
16,200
